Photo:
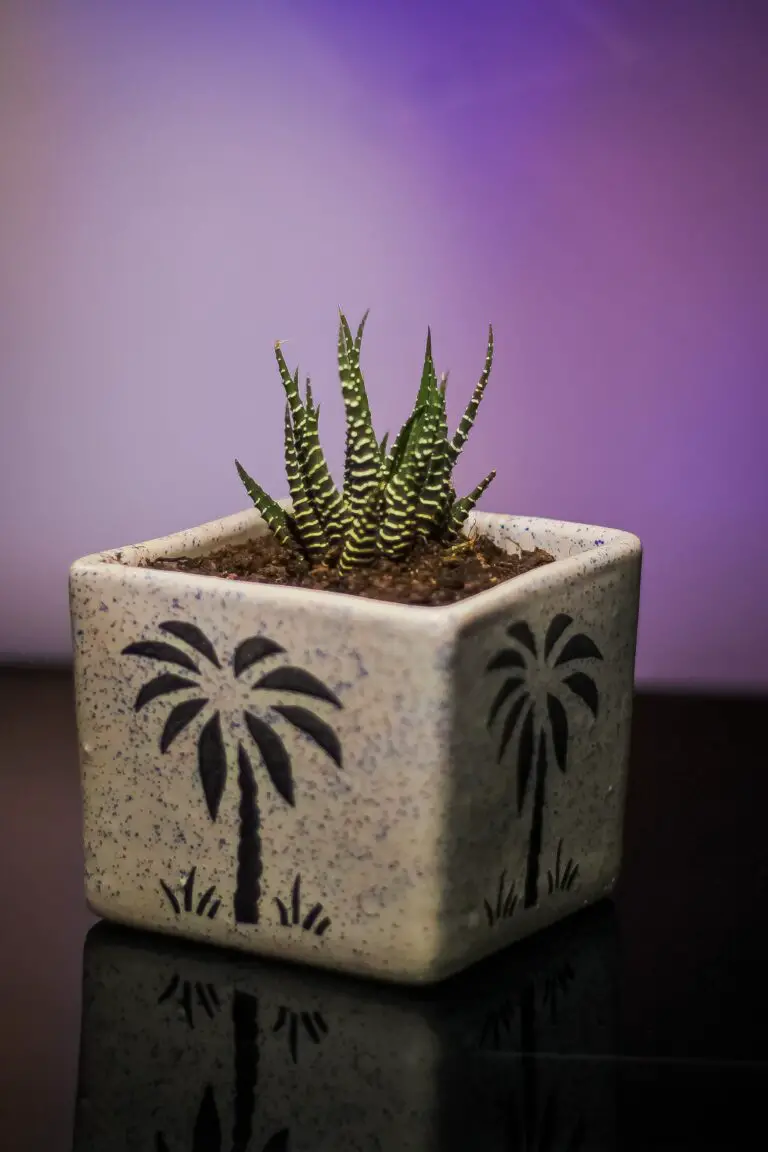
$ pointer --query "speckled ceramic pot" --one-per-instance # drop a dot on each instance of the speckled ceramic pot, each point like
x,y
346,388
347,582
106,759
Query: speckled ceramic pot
x,y
390,790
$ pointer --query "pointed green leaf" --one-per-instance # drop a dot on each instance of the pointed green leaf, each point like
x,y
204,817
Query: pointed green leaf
x,y
468,419
361,539
291,387
362,450
273,514
311,533
433,494
462,508
400,446
428,376
326,498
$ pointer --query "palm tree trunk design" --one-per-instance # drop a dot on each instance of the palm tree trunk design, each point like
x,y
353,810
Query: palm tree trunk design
x,y
537,827
245,1020
530,1087
249,864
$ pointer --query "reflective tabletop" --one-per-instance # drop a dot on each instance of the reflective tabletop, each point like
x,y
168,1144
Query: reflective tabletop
x,y
637,1024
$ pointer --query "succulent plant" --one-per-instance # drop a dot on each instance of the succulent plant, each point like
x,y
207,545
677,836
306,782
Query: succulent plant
x,y
391,499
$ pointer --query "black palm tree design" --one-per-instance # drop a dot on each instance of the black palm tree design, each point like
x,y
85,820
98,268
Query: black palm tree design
x,y
505,904
206,905
212,760
312,1024
556,987
535,1127
207,1137
563,878
207,1134
314,921
532,695
542,1131
186,993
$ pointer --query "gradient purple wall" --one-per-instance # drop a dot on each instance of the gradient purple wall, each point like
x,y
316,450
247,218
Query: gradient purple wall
x,y
184,182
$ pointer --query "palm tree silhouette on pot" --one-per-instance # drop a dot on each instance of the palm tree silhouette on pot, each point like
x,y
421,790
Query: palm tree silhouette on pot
x,y
212,758
538,687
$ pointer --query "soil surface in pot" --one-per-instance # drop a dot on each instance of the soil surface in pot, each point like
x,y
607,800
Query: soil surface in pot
x,y
431,575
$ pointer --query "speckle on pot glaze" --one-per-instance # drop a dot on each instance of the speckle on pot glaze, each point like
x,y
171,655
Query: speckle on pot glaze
x,y
386,762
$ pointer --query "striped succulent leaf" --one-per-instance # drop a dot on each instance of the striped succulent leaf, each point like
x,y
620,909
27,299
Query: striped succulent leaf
x,y
434,492
311,532
360,542
309,400
362,455
292,395
461,509
325,496
389,498
402,439
275,516
468,419
448,499
428,375
403,491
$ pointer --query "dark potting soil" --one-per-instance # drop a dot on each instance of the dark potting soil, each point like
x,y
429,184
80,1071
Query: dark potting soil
x,y
431,575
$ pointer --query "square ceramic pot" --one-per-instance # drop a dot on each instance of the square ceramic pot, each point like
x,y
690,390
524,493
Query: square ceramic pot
x,y
187,1047
391,790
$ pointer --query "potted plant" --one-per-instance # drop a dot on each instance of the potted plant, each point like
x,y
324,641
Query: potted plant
x,y
368,727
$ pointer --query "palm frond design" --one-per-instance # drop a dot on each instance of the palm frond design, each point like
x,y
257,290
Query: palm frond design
x,y
539,721
193,707
542,1131
206,1136
188,995
310,1024
279,1142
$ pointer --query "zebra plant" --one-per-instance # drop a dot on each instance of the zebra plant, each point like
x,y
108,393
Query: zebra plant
x,y
391,499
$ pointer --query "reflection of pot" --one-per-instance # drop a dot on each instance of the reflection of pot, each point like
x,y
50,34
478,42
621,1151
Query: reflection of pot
x,y
182,1043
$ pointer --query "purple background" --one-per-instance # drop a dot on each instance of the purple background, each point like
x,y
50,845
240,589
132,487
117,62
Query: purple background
x,y
184,182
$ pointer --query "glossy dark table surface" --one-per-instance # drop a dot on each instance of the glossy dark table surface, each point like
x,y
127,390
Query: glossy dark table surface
x,y
636,1025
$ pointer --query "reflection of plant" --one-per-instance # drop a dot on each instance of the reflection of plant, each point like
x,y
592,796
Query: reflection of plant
x,y
561,881
204,994
311,922
390,500
212,760
188,894
505,905
531,694
311,1024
